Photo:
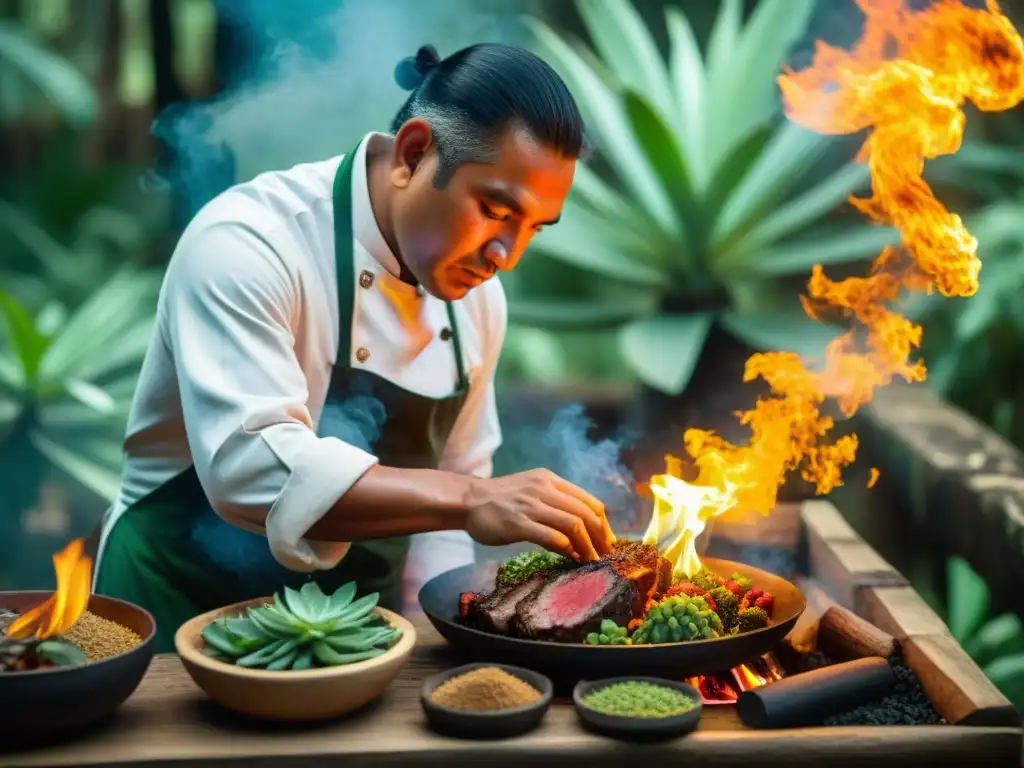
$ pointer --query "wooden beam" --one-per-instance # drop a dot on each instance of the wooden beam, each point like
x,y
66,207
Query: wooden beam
x,y
955,685
900,611
840,560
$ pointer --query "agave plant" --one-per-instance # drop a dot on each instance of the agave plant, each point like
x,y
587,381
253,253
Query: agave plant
x,y
66,382
304,629
708,199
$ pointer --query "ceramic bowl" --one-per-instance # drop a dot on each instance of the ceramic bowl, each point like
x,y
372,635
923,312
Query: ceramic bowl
x,y
305,695
50,703
491,724
638,727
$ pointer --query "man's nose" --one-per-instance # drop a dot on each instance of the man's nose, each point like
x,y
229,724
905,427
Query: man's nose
x,y
497,255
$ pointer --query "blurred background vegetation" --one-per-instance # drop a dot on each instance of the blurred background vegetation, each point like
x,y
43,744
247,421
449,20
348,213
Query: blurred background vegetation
x,y
683,247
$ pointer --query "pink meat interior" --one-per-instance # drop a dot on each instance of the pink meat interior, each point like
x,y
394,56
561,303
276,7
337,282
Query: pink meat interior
x,y
571,599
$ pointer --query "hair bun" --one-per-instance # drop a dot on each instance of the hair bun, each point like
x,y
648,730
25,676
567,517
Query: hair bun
x,y
413,70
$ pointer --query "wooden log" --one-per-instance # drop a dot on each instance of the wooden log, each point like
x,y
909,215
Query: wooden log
x,y
955,685
844,636
900,611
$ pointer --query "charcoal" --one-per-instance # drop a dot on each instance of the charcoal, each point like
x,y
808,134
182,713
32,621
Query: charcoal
x,y
567,606
493,612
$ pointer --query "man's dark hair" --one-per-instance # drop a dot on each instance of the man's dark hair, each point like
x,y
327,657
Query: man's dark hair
x,y
474,95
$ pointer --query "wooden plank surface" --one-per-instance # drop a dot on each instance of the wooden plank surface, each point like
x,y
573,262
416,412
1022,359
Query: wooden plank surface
x,y
169,722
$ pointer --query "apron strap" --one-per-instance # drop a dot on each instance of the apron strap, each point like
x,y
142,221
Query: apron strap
x,y
343,265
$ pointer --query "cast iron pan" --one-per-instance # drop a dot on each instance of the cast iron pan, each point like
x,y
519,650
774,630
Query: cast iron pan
x,y
571,662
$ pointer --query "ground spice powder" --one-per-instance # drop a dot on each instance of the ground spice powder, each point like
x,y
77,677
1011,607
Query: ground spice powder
x,y
485,688
99,638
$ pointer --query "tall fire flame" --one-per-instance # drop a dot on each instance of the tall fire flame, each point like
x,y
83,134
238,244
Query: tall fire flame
x,y
62,609
905,81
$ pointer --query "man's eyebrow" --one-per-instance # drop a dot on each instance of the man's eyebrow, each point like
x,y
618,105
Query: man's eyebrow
x,y
501,197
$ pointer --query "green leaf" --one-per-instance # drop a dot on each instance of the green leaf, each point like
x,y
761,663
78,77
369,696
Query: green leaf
x,y
722,44
101,480
584,240
96,327
968,598
979,157
618,211
54,257
606,119
1007,674
781,331
753,96
91,395
574,315
316,602
664,350
625,44
658,141
734,168
806,209
67,88
342,596
218,637
297,606
60,653
1002,636
687,70
791,151
845,246
21,333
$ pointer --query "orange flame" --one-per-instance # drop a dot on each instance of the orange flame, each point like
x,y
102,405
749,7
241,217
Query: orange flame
x,y
905,82
64,607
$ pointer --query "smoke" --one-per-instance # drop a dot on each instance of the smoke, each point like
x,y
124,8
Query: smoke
x,y
306,80
565,447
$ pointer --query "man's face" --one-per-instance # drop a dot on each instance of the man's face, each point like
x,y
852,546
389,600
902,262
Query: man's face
x,y
454,238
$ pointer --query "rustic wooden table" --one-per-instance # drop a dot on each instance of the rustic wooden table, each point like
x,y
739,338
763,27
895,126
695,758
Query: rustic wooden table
x,y
168,721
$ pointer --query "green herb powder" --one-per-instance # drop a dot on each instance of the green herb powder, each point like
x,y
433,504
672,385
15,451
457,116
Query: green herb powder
x,y
637,699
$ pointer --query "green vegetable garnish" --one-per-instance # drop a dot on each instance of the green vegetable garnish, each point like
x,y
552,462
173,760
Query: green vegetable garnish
x,y
751,619
60,653
521,567
610,634
727,604
638,699
303,629
677,619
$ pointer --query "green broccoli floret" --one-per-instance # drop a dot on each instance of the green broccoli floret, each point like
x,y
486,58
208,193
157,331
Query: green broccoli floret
x,y
751,619
704,579
518,569
728,606
745,582
676,619
610,634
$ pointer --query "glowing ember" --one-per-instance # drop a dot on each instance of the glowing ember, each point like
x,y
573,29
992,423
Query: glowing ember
x,y
63,608
905,82
725,688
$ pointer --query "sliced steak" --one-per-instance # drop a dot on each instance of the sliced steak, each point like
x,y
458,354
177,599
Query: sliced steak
x,y
566,606
494,612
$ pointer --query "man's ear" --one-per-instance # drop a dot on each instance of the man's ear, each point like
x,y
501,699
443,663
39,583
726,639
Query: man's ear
x,y
412,142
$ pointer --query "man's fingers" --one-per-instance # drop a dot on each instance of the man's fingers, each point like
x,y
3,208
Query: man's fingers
x,y
571,525
549,538
597,529
607,538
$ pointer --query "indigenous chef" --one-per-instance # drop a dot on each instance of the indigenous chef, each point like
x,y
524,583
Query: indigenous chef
x,y
320,385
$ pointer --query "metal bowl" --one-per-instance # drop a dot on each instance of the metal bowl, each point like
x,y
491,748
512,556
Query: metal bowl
x,y
45,704
568,663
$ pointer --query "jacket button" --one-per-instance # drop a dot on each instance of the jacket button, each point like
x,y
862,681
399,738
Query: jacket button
x,y
366,279
446,333
362,354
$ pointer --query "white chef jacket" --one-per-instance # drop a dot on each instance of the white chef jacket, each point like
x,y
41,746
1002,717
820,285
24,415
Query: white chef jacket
x,y
239,364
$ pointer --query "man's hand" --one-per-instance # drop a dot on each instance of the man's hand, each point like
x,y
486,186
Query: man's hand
x,y
541,508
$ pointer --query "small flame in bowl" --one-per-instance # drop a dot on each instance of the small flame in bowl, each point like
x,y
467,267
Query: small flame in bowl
x,y
63,608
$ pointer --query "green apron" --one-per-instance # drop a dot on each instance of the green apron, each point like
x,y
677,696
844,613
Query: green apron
x,y
173,555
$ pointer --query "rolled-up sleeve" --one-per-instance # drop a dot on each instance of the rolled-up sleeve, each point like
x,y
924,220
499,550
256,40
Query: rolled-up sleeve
x,y
227,313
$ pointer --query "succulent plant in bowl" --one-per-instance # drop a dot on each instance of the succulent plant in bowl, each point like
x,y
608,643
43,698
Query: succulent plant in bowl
x,y
302,630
